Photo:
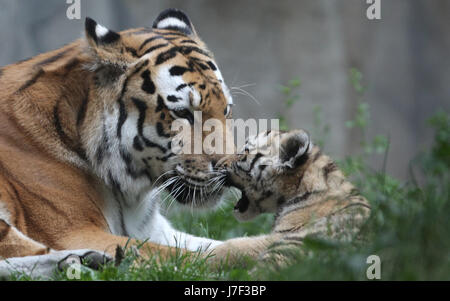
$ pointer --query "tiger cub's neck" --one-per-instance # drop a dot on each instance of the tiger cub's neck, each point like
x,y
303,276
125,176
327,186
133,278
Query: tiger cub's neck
x,y
323,190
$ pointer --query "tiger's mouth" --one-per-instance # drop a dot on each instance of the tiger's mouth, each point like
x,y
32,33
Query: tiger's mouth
x,y
242,204
197,192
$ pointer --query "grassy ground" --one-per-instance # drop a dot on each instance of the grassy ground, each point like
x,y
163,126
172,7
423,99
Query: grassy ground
x,y
409,227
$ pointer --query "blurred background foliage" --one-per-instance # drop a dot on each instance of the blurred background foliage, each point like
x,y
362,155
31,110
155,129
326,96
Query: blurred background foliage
x,y
373,94
262,44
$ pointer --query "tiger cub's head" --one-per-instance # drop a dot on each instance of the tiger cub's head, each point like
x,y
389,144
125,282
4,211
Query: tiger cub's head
x,y
144,80
269,171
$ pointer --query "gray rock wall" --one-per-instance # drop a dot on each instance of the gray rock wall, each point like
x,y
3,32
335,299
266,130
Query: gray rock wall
x,y
403,57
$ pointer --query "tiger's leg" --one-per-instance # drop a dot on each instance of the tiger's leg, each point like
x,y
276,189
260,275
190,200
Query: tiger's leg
x,y
14,243
91,237
235,251
25,255
162,232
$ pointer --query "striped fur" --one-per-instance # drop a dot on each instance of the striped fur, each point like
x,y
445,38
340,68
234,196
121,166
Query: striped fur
x,y
85,133
304,188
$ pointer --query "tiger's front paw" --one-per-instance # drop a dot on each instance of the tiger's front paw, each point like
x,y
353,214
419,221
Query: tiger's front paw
x,y
89,258
239,251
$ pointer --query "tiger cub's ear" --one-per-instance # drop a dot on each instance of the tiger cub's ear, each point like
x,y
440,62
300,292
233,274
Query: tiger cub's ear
x,y
106,45
174,19
294,148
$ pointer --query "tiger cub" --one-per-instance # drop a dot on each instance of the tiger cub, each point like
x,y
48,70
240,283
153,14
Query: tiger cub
x,y
285,174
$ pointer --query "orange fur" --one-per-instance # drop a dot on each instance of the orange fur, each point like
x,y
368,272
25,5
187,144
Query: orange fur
x,y
50,107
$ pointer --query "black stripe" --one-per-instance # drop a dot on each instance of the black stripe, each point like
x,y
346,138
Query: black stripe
x,y
188,49
172,52
211,64
188,41
203,66
173,98
148,86
149,143
165,158
257,157
160,130
31,81
53,58
69,143
137,145
166,55
122,117
103,147
150,40
71,64
329,168
186,114
126,157
178,70
142,108
116,188
132,51
154,48
160,104
82,111
261,168
180,87
4,229
122,110
13,182
167,32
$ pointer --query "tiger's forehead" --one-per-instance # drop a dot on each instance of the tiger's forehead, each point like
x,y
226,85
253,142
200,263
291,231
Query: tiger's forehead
x,y
181,66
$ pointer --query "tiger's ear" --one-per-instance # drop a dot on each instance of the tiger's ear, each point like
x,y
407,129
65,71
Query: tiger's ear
x,y
294,148
106,45
98,34
174,19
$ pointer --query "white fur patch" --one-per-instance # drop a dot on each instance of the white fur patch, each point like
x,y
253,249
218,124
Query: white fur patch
x,y
4,214
43,266
171,22
167,85
100,30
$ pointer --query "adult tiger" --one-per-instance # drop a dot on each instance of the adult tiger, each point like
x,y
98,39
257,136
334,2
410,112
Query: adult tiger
x,y
85,131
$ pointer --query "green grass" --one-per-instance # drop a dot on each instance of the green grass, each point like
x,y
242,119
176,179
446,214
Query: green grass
x,y
408,229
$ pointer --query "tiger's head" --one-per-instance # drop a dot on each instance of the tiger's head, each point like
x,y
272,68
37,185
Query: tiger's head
x,y
145,79
268,171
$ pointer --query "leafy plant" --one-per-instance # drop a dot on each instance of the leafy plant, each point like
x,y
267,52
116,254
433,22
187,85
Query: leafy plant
x,y
291,96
